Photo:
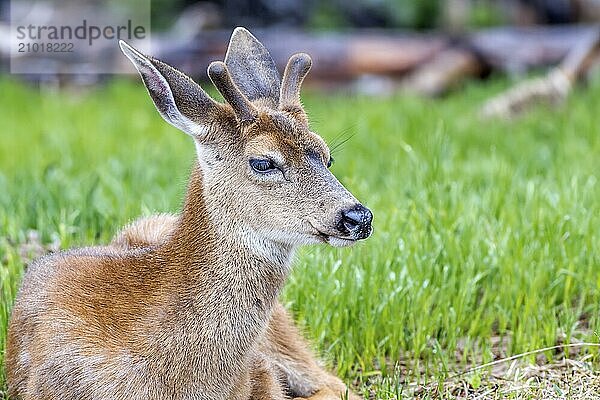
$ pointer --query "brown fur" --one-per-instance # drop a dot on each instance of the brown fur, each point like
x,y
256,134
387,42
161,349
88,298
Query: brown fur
x,y
191,312
291,360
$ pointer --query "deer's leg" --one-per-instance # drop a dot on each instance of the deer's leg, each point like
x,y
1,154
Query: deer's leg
x,y
301,372
264,382
329,394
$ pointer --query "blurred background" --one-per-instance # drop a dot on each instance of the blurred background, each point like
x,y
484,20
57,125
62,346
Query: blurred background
x,y
378,47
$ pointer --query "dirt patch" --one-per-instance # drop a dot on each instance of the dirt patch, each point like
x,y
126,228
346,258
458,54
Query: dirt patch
x,y
564,379
571,372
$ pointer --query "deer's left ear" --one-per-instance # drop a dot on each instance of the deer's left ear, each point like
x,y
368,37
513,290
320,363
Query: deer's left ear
x,y
252,68
178,99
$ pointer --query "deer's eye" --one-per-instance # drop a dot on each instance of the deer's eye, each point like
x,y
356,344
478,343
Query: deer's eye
x,y
330,162
262,165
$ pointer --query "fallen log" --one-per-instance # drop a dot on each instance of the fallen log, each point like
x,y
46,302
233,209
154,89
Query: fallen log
x,y
551,89
513,50
520,49
446,70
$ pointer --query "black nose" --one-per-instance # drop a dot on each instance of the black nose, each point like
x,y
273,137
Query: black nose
x,y
356,222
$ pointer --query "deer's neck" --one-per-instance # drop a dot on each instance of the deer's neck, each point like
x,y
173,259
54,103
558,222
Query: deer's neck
x,y
228,281
220,247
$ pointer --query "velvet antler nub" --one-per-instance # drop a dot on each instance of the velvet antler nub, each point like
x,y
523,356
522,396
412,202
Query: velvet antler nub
x,y
295,71
243,108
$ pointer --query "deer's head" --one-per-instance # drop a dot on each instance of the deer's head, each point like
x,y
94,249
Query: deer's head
x,y
263,170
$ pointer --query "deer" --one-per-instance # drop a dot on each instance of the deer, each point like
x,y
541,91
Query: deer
x,y
186,306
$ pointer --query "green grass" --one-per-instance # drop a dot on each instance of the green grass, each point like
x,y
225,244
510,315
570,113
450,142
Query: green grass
x,y
482,229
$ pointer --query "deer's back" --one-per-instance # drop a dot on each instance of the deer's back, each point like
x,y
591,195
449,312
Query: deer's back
x,y
85,320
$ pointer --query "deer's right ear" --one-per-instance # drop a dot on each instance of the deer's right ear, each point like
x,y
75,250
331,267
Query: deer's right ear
x,y
179,99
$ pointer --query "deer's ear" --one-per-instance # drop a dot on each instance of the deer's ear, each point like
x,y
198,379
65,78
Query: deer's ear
x,y
179,99
252,68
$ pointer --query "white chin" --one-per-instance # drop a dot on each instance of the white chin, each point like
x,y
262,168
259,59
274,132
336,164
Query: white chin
x,y
339,242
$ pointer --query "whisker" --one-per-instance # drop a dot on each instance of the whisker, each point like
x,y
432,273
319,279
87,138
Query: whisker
x,y
340,140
